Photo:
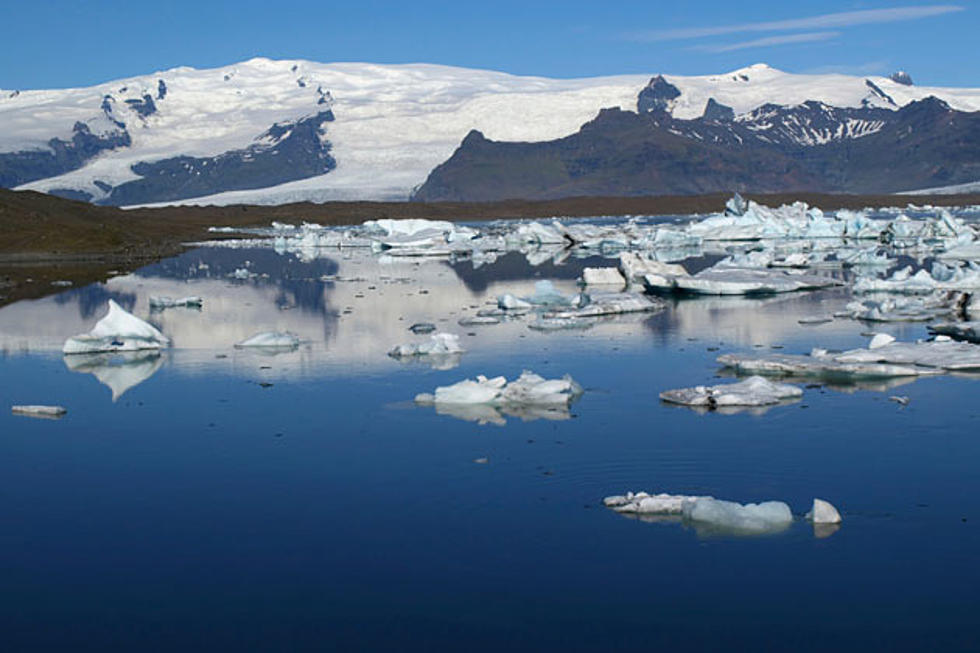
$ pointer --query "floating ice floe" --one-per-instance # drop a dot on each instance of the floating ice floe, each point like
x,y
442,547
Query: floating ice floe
x,y
883,359
940,277
118,371
528,389
600,304
161,303
903,308
48,412
117,331
603,277
270,340
753,391
713,516
636,268
727,280
438,344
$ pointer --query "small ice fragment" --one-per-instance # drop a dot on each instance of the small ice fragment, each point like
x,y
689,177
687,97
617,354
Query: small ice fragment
x,y
902,400
420,328
478,320
438,343
160,303
61,283
880,340
50,412
481,461
823,512
271,340
603,277
754,391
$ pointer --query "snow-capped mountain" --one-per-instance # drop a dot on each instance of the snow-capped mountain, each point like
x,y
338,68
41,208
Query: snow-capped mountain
x,y
267,131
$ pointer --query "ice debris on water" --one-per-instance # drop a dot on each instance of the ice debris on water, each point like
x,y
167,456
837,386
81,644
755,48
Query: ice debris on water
x,y
884,358
119,330
727,279
823,512
438,343
753,391
967,331
528,389
421,328
603,277
271,340
50,412
161,303
714,516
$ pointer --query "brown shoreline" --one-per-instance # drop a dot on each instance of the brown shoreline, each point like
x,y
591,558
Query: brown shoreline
x,y
45,238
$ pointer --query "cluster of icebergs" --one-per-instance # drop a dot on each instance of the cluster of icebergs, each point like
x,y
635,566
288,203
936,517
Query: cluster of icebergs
x,y
809,228
714,516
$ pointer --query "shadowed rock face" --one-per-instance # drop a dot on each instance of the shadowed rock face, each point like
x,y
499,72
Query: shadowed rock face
x,y
811,147
657,95
285,152
61,156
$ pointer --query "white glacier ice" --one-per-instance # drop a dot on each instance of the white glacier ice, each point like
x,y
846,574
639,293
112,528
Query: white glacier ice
x,y
823,512
36,410
753,391
117,331
528,390
271,340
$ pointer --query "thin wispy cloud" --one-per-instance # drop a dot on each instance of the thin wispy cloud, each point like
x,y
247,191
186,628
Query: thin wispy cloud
x,y
785,39
825,21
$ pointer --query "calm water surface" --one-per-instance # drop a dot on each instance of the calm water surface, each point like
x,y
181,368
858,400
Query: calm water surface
x,y
185,503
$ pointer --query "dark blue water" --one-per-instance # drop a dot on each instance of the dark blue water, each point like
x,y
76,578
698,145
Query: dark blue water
x,y
203,511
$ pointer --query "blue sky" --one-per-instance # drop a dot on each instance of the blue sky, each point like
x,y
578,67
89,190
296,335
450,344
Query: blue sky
x,y
61,43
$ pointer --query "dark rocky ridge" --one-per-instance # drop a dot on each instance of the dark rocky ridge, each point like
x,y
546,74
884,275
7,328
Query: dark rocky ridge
x,y
285,152
810,147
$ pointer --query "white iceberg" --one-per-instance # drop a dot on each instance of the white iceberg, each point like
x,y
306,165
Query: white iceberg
x,y
603,277
438,344
529,390
49,412
161,303
270,340
728,280
753,391
599,304
714,515
117,331
823,512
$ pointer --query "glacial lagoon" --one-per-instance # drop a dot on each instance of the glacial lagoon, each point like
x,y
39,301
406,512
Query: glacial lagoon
x,y
299,498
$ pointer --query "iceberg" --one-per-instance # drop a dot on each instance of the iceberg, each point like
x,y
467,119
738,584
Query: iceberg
x,y
161,303
271,340
527,390
707,514
753,391
49,412
819,364
599,304
823,512
117,331
603,277
635,268
438,344
728,280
